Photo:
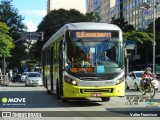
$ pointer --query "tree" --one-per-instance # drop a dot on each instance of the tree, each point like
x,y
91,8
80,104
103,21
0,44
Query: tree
x,y
143,39
10,16
140,37
157,26
120,22
92,17
5,40
54,20
144,45
157,31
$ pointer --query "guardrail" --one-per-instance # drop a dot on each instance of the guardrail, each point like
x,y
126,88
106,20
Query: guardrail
x,y
4,80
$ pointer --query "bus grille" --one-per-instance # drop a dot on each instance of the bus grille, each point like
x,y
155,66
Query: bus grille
x,y
107,90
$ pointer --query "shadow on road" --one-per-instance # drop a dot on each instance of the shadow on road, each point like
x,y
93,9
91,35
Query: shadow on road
x,y
131,90
40,99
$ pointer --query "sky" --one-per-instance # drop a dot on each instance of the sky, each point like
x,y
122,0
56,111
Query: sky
x,y
33,12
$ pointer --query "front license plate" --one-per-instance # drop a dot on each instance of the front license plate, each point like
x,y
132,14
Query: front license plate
x,y
34,82
96,94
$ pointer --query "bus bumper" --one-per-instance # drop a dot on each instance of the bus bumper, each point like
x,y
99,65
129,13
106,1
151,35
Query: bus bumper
x,y
71,91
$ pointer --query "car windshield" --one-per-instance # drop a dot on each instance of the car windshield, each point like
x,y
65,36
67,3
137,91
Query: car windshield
x,y
34,75
94,55
139,74
24,73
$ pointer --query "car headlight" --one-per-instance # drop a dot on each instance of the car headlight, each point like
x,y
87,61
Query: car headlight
x,y
70,80
120,80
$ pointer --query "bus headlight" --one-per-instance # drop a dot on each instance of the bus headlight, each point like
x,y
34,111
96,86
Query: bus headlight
x,y
70,80
120,80
74,82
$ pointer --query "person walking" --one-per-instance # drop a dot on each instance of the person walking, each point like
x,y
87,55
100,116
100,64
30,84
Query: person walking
x,y
14,76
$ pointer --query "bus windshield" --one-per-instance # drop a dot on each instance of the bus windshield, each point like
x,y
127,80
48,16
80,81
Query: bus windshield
x,y
95,55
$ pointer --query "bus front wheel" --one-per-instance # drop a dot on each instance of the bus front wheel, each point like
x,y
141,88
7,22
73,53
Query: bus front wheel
x,y
105,99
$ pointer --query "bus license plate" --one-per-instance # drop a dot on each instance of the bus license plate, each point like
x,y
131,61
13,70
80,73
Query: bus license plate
x,y
96,94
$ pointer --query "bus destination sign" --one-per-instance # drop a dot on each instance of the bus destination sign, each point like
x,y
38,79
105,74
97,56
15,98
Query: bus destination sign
x,y
91,34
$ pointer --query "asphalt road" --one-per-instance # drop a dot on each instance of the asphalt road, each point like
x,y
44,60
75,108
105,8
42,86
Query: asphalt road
x,y
29,100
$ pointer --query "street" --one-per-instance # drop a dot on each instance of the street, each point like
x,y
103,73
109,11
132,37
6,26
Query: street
x,y
34,99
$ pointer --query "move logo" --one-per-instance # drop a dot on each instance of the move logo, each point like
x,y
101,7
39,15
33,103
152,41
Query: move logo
x,y
4,100
13,100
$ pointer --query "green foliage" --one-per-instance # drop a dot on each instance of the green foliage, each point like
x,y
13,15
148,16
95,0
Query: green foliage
x,y
157,26
10,16
92,17
137,36
143,40
55,19
120,22
157,30
129,33
5,41
157,34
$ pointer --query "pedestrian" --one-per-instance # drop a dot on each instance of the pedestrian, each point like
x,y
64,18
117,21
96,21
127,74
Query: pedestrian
x,y
14,76
10,75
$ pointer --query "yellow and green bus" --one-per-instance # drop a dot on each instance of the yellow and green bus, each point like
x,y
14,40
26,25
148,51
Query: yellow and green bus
x,y
73,64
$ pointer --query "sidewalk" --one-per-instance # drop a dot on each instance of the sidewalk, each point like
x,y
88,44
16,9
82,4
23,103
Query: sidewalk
x,y
15,84
4,81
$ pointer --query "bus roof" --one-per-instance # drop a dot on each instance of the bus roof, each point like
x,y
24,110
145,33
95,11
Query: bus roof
x,y
81,26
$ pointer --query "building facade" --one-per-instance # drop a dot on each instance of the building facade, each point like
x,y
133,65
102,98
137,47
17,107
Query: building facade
x,y
118,9
107,10
89,6
66,4
97,6
139,13
93,6
133,11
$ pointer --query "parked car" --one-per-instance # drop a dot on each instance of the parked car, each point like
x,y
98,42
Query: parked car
x,y
133,80
157,75
33,79
23,76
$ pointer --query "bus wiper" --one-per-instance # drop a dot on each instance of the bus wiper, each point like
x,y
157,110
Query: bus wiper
x,y
107,40
81,40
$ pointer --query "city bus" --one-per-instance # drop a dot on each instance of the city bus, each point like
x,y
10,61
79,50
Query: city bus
x,y
73,65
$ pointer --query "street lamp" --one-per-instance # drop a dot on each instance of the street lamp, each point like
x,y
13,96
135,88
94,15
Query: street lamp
x,y
155,4
153,36
144,6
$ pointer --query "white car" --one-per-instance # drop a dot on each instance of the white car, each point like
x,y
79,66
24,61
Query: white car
x,y
33,79
133,80
23,76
